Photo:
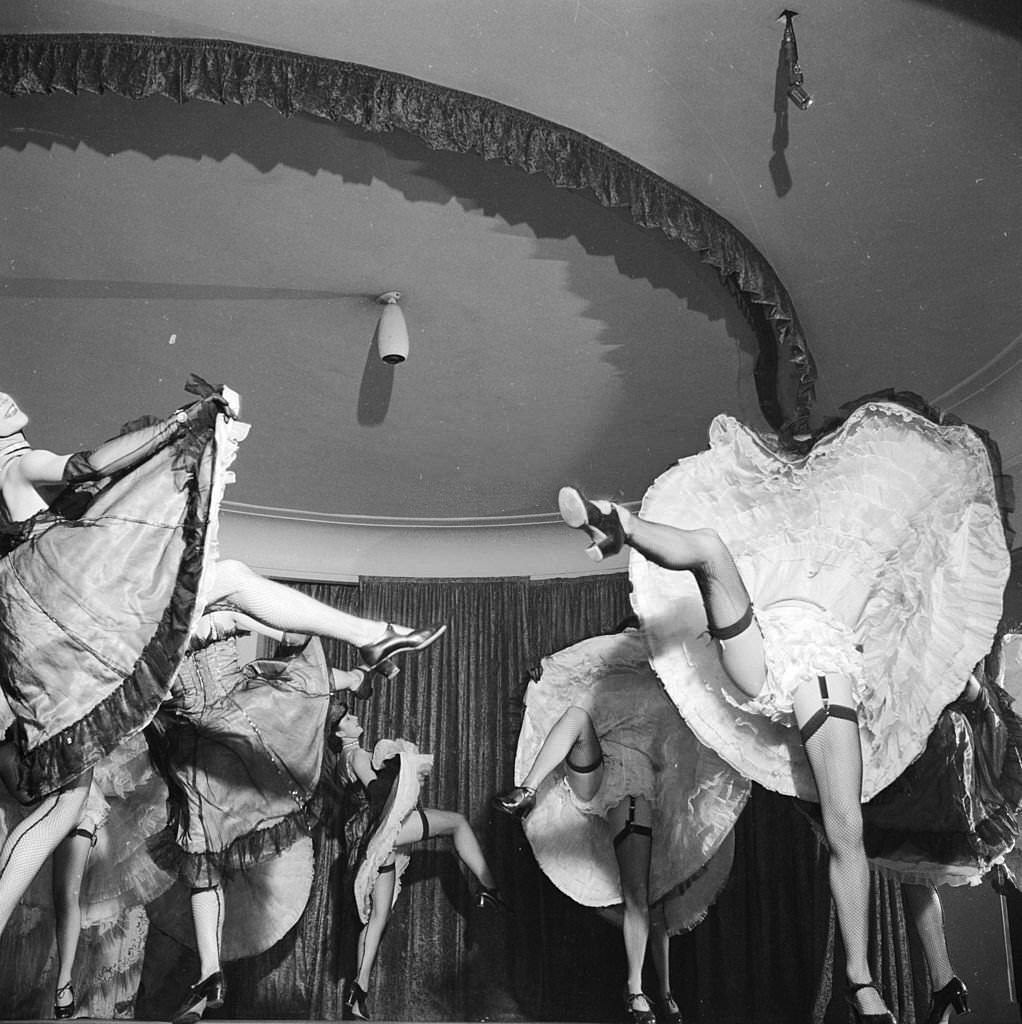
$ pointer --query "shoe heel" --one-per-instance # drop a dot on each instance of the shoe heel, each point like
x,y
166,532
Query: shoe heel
x,y
388,669
961,1003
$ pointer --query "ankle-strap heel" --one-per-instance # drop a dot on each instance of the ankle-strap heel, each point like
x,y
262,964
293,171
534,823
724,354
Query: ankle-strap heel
x,y
669,1010
63,1011
604,529
517,802
867,1018
355,1004
635,1015
955,994
208,994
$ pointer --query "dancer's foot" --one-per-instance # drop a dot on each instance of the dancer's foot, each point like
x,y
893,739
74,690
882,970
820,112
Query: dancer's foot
x,y
487,899
398,640
517,802
669,1012
355,1004
365,689
953,994
207,994
638,1009
868,1005
357,681
64,1002
600,520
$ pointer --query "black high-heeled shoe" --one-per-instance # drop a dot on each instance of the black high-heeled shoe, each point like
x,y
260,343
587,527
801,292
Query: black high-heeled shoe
x,y
62,1011
867,1018
207,994
355,1004
635,1015
490,898
670,1013
603,528
365,689
955,994
517,802
377,656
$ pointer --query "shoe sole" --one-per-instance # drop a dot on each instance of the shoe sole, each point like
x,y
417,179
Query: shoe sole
x,y
575,513
572,507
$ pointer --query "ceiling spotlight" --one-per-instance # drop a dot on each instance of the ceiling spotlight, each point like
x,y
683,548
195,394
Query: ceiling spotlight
x,y
392,331
797,93
798,96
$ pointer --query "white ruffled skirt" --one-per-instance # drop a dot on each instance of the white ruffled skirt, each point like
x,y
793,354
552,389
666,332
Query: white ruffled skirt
x,y
648,751
886,536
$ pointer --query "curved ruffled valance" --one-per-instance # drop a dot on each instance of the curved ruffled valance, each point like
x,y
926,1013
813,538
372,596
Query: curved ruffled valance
x,y
445,119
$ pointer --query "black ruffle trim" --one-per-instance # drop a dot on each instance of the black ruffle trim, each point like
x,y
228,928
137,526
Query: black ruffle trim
x,y
125,712
223,71
211,867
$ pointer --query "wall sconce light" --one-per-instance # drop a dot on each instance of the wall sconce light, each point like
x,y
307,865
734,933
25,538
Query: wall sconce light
x,y
789,47
392,331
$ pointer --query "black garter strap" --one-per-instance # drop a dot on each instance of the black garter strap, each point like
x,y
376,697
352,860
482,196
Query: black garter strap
x,y
425,824
730,632
583,769
85,834
827,711
387,868
630,827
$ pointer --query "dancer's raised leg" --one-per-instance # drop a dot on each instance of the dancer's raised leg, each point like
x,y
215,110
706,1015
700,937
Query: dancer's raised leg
x,y
430,822
285,608
701,552
572,740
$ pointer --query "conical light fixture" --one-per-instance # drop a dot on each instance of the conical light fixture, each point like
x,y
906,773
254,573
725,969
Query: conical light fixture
x,y
392,331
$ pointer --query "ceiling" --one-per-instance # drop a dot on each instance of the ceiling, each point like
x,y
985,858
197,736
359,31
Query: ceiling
x,y
552,338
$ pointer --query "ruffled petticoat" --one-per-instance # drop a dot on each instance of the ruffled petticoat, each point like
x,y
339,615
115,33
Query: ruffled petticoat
x,y
379,842
95,611
241,748
262,903
126,806
889,527
648,750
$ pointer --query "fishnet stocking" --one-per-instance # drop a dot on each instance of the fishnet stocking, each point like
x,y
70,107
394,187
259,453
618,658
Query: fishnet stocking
x,y
35,838
927,913
284,608
208,921
835,757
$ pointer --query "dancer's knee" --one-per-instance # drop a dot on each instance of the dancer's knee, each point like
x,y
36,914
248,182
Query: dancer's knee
x,y
843,826
702,551
231,575
579,719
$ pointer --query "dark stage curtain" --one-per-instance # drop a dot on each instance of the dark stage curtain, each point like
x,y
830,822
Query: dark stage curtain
x,y
223,71
767,953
